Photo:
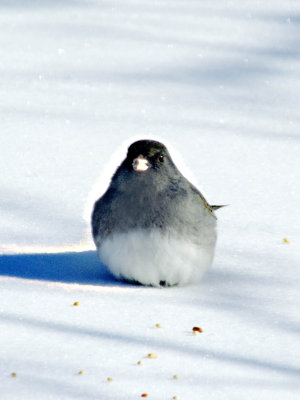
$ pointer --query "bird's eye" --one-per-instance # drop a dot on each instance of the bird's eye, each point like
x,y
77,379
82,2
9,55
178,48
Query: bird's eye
x,y
161,157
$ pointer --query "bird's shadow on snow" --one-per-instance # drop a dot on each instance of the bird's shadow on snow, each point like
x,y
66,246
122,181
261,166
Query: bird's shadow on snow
x,y
69,267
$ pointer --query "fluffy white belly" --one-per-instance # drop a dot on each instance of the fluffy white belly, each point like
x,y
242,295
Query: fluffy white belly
x,y
153,257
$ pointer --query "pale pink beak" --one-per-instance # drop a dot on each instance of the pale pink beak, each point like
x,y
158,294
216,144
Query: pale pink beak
x,y
140,164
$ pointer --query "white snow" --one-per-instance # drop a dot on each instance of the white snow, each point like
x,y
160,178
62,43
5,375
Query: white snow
x,y
219,81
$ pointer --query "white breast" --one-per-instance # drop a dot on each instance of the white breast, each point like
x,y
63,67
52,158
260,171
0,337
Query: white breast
x,y
152,257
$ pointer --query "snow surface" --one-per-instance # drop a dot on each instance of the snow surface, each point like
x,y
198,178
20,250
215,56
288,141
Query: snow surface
x,y
219,83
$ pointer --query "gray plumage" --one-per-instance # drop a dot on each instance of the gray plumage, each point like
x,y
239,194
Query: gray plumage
x,y
144,214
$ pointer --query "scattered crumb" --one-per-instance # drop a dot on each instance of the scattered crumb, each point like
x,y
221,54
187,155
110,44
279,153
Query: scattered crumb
x,y
175,398
14,374
197,329
158,325
175,377
109,379
286,240
144,395
80,372
152,355
76,303
140,363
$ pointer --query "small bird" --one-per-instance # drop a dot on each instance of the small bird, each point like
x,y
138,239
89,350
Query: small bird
x,y
152,226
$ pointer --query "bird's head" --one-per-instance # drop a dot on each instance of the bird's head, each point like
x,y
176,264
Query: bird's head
x,y
144,156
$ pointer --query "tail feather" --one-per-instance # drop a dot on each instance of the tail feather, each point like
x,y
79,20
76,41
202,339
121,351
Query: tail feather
x,y
217,207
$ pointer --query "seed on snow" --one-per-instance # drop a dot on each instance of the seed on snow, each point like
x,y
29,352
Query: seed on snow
x,y
76,303
176,377
286,240
109,379
14,374
80,372
144,395
158,325
140,363
197,330
152,355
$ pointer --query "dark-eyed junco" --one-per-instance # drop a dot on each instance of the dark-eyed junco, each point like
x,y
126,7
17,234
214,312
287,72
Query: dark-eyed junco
x,y
152,226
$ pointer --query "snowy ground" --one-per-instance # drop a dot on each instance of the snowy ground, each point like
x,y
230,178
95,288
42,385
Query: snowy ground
x,y
219,82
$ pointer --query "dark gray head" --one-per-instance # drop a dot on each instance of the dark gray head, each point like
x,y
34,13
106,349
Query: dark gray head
x,y
149,158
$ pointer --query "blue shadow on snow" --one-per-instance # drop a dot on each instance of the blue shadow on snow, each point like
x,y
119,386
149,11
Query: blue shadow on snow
x,y
83,267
